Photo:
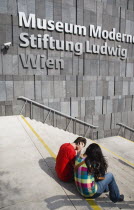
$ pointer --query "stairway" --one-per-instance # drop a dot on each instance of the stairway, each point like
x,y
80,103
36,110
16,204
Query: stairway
x,y
28,179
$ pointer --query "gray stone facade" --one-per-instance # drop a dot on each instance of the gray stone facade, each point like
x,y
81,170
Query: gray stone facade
x,y
98,89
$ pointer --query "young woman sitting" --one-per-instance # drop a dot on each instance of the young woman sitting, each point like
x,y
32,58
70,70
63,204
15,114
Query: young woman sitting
x,y
90,175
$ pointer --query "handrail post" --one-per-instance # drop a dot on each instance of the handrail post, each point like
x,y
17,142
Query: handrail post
x,y
23,107
86,131
68,124
119,131
47,116
92,133
131,135
74,126
53,118
124,131
31,110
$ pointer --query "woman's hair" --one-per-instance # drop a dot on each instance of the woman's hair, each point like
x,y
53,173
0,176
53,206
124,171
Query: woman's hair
x,y
95,161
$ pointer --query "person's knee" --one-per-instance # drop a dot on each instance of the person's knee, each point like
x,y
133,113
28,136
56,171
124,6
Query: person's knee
x,y
110,175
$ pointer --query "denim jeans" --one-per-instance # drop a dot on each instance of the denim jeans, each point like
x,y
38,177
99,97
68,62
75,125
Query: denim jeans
x,y
108,183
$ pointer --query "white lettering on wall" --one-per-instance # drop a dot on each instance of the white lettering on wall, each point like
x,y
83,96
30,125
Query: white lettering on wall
x,y
45,41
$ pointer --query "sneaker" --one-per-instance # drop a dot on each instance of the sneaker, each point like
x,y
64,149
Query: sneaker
x,y
121,198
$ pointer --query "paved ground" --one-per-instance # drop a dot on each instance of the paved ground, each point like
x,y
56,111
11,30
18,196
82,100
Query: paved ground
x,y
27,177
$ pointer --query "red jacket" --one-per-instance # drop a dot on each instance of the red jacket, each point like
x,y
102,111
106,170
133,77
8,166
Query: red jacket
x,y
65,162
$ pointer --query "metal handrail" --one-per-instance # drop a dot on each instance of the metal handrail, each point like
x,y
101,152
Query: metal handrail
x,y
125,127
55,111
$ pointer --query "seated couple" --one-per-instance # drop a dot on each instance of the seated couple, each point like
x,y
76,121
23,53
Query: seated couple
x,y
88,170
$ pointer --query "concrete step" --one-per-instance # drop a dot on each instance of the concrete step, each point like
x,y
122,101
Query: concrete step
x,y
123,147
28,179
54,137
116,156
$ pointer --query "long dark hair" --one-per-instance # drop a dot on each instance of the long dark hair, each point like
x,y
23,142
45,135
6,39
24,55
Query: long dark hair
x,y
95,161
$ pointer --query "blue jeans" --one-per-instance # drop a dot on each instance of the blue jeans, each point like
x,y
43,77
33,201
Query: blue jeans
x,y
108,183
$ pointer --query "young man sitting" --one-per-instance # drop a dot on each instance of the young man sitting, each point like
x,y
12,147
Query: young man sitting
x,y
66,158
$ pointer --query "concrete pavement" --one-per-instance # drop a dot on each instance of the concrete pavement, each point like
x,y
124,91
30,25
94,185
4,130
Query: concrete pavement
x,y
27,175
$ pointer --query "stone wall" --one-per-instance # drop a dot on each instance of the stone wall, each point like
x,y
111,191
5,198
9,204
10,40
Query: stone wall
x,y
98,89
